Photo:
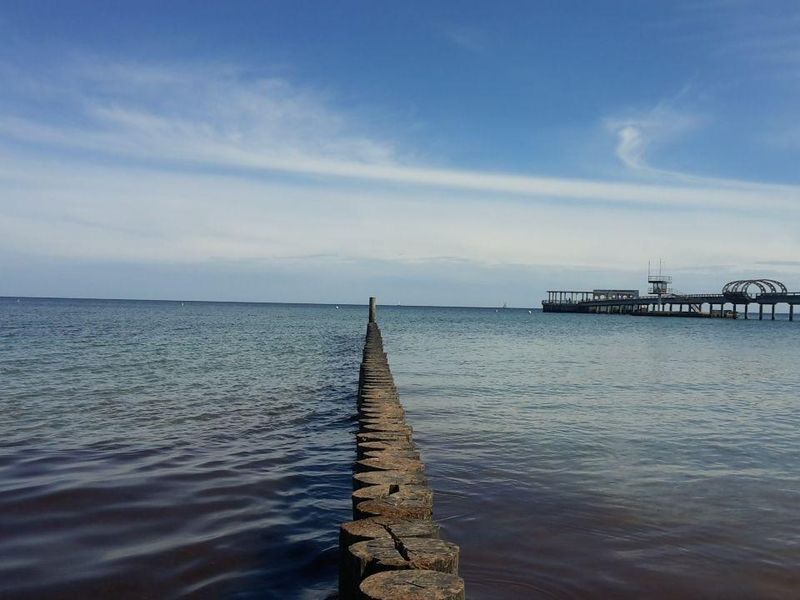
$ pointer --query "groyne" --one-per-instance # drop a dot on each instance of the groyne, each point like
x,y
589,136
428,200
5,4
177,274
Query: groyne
x,y
392,549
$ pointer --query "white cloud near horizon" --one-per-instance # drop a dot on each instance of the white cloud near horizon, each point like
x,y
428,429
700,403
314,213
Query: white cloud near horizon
x,y
186,164
133,214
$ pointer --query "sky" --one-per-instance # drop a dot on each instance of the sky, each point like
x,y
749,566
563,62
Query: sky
x,y
450,153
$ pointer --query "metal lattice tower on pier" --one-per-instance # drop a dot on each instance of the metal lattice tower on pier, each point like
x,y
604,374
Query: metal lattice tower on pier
x,y
659,283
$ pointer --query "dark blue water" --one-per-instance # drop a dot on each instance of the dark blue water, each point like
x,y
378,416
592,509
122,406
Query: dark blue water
x,y
163,450
167,449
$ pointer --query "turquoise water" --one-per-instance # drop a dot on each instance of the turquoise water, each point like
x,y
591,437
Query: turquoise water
x,y
161,449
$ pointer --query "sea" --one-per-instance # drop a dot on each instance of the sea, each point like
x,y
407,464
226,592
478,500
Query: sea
x,y
204,450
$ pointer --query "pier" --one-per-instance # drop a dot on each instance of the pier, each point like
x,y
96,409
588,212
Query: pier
x,y
663,302
392,549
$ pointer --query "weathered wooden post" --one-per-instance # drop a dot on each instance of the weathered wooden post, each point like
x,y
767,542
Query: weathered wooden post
x,y
373,309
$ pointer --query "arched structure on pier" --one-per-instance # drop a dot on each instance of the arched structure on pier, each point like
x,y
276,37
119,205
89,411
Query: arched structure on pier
x,y
739,290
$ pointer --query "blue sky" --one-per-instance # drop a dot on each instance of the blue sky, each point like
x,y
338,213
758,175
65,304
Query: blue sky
x,y
434,153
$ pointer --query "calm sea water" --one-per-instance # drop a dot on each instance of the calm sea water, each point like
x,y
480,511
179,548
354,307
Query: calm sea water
x,y
163,450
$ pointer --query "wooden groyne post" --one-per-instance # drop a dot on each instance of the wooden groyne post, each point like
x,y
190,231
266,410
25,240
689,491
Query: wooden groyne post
x,y
392,549
373,310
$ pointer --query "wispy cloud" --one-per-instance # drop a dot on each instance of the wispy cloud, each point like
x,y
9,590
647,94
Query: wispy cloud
x,y
749,54
197,165
639,132
763,38
466,37
120,213
222,118
770,39
779,263
186,111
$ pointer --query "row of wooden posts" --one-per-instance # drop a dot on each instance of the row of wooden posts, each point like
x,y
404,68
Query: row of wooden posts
x,y
392,549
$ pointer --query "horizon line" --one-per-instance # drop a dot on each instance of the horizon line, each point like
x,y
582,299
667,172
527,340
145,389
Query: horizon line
x,y
291,303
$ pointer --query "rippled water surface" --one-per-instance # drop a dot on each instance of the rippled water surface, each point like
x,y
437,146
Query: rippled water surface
x,y
161,450
154,449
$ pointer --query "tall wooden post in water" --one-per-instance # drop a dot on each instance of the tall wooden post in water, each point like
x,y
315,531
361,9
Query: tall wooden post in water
x,y
373,309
